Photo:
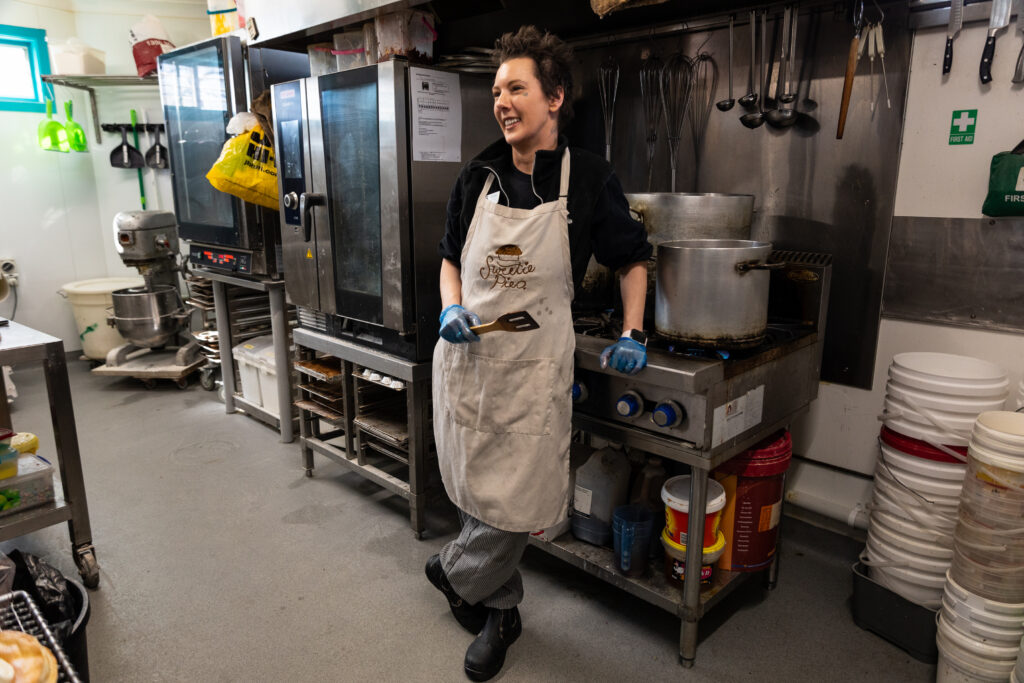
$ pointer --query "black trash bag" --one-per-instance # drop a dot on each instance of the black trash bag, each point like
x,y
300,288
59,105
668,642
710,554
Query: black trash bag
x,y
49,590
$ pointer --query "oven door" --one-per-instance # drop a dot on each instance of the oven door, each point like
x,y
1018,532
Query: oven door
x,y
201,87
357,130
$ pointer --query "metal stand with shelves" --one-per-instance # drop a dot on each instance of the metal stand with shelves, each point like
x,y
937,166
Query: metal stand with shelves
x,y
20,345
379,424
282,360
689,603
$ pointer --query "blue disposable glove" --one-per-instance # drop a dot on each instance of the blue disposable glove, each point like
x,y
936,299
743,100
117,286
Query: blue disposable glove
x,y
455,324
626,356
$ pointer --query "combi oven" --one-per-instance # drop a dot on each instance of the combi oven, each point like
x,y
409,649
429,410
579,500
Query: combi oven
x,y
366,161
201,87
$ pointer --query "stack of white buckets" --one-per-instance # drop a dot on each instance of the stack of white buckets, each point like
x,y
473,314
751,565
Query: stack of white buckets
x,y
981,623
931,403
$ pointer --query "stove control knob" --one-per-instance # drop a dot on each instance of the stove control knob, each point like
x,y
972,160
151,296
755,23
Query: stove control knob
x,y
579,392
668,414
630,404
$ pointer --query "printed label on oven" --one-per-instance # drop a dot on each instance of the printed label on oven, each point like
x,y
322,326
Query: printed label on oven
x,y
737,416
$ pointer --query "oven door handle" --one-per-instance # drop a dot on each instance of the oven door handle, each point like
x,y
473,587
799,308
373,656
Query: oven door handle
x,y
307,200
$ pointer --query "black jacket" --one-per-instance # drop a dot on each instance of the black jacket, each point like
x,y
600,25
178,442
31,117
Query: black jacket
x,y
599,220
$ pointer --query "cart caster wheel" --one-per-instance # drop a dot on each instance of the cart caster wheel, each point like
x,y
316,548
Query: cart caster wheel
x,y
686,663
309,473
207,381
182,383
149,383
89,570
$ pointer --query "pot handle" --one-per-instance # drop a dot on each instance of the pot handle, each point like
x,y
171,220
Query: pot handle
x,y
636,215
745,266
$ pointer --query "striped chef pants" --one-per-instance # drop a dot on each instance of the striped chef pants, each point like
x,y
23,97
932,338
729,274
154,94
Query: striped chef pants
x,y
481,563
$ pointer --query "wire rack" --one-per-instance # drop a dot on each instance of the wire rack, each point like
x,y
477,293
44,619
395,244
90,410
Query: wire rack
x,y
19,613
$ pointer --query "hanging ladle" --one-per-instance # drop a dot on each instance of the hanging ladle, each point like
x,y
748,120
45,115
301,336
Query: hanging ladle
x,y
779,117
750,99
756,119
726,105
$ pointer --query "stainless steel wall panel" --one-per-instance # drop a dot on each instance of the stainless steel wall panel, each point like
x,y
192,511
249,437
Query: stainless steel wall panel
x,y
957,271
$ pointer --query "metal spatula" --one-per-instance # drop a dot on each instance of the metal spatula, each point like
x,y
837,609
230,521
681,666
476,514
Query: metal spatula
x,y
520,321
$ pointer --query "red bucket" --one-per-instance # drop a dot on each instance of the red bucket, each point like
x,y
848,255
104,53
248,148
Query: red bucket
x,y
920,449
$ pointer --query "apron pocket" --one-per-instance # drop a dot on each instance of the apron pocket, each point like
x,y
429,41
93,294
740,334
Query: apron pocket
x,y
501,396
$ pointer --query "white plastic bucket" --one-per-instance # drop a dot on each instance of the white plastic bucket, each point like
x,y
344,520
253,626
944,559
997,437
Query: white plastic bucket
x,y
909,584
902,505
930,469
997,656
946,504
947,403
929,487
961,423
910,529
90,300
1003,432
926,433
982,604
959,665
892,537
973,627
881,550
946,373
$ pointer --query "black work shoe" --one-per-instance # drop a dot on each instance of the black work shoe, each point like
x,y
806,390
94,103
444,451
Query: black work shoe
x,y
486,654
470,617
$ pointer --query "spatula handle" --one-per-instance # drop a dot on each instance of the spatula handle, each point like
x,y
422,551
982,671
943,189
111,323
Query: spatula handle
x,y
486,327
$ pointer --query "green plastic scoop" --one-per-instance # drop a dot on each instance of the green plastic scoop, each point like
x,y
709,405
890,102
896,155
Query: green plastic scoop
x,y
53,137
76,134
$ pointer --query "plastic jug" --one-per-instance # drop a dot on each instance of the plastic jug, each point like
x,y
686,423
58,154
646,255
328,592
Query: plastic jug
x,y
631,527
602,484
647,487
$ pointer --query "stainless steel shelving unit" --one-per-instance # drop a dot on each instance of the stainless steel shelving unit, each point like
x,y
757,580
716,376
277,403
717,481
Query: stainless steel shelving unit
x,y
89,82
400,433
282,359
21,345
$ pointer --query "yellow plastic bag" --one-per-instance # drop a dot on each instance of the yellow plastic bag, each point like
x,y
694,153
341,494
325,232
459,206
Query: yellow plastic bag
x,y
246,169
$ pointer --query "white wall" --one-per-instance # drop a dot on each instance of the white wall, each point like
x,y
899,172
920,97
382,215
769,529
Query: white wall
x,y
59,207
938,180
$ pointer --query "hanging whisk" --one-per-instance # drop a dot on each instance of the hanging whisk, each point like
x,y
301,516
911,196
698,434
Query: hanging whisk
x,y
650,102
705,82
608,86
676,89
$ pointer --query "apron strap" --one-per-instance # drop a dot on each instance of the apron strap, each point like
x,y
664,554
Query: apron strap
x,y
485,190
563,182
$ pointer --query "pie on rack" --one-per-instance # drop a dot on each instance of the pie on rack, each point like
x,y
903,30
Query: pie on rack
x,y
28,660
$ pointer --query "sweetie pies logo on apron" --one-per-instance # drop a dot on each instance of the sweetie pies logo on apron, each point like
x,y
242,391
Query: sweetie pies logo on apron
x,y
506,268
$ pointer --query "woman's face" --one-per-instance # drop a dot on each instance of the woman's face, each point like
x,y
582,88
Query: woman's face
x,y
525,114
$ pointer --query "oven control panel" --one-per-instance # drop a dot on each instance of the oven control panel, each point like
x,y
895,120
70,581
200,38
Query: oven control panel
x,y
629,401
215,258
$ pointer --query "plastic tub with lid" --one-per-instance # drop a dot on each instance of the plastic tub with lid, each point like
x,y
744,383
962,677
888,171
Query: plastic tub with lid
x,y
929,400
676,496
675,559
258,372
947,373
89,301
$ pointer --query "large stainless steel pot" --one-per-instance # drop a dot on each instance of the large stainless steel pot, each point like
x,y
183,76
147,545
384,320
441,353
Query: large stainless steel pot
x,y
670,216
148,318
713,292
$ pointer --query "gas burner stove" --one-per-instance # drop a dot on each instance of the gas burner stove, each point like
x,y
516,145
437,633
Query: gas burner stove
x,y
696,404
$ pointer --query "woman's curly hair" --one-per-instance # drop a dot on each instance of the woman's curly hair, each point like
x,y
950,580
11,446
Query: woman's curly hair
x,y
552,57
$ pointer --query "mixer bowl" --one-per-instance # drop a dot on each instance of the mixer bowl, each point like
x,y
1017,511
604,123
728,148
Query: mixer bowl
x,y
148,318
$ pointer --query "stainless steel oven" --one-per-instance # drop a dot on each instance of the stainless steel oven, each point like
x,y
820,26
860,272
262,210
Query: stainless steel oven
x,y
366,161
201,87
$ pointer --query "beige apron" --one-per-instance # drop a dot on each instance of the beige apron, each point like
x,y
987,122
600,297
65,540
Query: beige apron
x,y
502,406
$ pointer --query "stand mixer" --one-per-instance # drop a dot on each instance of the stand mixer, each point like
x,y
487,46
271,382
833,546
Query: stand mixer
x,y
152,317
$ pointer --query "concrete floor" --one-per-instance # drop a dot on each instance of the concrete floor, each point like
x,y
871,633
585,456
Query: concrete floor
x,y
220,561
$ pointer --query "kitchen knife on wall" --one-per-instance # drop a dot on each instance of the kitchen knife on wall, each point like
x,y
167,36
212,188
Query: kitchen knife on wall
x,y
1000,18
956,21
1018,74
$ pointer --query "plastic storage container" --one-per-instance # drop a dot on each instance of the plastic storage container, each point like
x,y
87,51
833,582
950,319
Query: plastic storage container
x,y
75,58
257,372
675,559
754,483
907,625
31,486
90,300
350,50
408,33
602,484
676,496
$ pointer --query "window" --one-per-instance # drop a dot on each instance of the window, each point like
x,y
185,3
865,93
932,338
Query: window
x,y
23,57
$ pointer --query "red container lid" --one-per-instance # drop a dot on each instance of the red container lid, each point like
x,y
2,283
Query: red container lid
x,y
6,433
918,448
769,458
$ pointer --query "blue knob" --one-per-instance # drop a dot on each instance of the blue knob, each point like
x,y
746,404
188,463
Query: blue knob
x,y
628,405
667,414
579,392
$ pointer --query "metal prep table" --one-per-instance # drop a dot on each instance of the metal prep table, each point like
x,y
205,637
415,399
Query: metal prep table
x,y
282,360
416,377
20,345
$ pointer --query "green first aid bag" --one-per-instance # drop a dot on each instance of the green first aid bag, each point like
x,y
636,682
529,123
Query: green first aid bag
x,y
1006,184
